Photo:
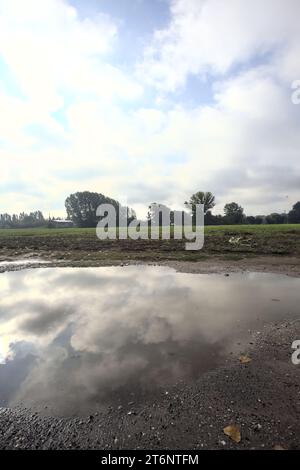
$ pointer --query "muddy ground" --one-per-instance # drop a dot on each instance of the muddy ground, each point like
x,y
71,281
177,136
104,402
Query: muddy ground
x,y
261,397
270,251
84,245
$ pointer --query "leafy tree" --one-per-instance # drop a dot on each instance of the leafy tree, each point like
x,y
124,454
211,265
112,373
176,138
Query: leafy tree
x,y
153,213
50,223
234,213
254,220
81,208
210,219
206,198
250,220
259,219
294,214
275,218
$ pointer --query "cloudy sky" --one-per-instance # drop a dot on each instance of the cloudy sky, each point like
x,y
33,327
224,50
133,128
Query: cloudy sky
x,y
149,100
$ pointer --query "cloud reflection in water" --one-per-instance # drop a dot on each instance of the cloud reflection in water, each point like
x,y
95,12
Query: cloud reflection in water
x,y
71,338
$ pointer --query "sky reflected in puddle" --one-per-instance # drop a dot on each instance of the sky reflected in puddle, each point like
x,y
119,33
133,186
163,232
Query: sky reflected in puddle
x,y
73,340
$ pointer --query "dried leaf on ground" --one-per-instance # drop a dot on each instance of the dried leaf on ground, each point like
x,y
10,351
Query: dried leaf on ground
x,y
245,359
233,432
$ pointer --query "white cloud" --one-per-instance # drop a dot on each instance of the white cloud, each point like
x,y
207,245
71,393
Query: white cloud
x,y
108,138
212,36
55,59
46,46
52,53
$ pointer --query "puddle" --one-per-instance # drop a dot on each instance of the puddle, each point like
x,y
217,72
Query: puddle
x,y
75,339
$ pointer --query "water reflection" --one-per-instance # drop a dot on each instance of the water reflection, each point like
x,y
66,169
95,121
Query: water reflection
x,y
71,339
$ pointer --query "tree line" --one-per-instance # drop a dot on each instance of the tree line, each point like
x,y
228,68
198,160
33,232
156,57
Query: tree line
x,y
22,220
81,210
234,213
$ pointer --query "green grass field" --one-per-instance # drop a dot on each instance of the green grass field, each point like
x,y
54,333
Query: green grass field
x,y
259,229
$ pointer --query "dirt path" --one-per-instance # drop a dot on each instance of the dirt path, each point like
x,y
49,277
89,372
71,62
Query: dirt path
x,y
212,264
